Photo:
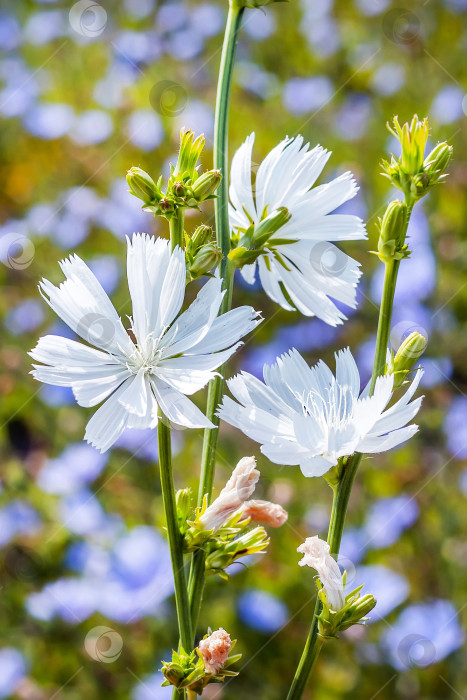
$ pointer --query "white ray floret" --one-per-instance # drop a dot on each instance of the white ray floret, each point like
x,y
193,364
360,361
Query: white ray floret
x,y
306,272
171,357
306,416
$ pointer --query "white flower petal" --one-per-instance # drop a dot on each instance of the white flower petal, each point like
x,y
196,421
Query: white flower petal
x,y
81,302
108,422
193,324
227,329
172,291
374,444
316,466
240,191
347,373
177,407
135,397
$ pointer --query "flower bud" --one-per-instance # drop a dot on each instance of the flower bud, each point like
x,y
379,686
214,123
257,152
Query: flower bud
x,y
393,232
268,226
264,512
241,256
437,161
205,186
179,189
408,354
238,489
214,650
206,258
166,206
183,502
201,235
413,138
188,155
316,554
142,185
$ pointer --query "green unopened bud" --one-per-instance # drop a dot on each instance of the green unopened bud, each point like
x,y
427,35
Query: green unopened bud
x,y
206,185
201,235
413,138
179,189
393,231
189,153
407,356
184,508
142,185
268,226
206,258
243,256
166,206
437,161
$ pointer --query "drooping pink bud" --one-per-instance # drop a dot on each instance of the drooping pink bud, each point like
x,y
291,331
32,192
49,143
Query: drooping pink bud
x,y
237,490
265,512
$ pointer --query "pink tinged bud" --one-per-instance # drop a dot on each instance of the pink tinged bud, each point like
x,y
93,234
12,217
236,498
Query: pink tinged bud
x,y
215,650
316,555
265,512
237,490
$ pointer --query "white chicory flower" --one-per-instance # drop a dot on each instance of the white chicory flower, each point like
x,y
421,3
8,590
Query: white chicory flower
x,y
237,490
310,268
169,356
307,416
316,554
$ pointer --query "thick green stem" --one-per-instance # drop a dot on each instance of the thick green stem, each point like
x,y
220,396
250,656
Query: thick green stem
x,y
223,240
343,490
173,532
176,225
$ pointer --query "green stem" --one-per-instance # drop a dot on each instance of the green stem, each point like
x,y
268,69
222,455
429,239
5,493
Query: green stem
x,y
176,225
173,532
384,321
314,641
343,490
220,156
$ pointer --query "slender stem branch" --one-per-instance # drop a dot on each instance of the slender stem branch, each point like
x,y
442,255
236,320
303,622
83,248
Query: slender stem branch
x,y
173,532
344,488
384,321
223,240
314,641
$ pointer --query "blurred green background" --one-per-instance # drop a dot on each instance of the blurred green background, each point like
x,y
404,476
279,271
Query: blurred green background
x,y
89,90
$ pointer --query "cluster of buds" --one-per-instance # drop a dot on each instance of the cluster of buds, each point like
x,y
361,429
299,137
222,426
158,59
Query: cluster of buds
x,y
201,253
186,188
339,610
221,529
408,354
412,172
208,663
248,244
